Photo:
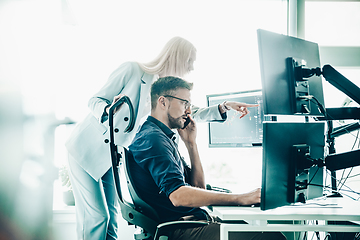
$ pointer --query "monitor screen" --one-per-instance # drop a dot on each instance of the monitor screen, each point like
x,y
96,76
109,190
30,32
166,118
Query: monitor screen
x,y
287,175
279,56
236,132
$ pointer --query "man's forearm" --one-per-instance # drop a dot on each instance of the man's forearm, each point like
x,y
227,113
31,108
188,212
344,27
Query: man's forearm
x,y
187,196
197,171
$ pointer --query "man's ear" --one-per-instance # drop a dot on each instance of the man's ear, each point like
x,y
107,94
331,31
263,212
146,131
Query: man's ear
x,y
162,102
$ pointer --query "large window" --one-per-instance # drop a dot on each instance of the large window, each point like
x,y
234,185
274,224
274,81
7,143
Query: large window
x,y
335,26
63,51
333,23
100,36
54,55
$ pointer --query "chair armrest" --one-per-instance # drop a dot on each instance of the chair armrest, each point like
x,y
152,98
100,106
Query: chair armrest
x,y
165,229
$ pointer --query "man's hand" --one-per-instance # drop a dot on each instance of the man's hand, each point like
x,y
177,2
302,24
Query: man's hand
x,y
250,198
116,98
188,134
241,108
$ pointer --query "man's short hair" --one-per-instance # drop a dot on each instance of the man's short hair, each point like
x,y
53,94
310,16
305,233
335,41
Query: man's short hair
x,y
167,86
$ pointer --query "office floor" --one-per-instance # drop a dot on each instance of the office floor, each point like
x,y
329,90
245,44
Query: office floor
x,y
64,225
64,220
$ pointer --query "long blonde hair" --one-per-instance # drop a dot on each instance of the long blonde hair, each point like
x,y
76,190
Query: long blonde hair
x,y
172,60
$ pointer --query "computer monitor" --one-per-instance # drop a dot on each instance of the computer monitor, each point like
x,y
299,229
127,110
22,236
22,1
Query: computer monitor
x,y
236,132
279,56
289,152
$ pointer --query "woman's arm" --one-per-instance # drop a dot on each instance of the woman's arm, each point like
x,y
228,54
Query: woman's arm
x,y
207,114
113,87
217,113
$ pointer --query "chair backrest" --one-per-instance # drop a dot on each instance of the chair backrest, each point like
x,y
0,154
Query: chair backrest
x,y
139,203
137,212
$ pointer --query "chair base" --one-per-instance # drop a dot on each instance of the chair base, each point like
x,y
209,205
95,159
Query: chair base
x,y
140,234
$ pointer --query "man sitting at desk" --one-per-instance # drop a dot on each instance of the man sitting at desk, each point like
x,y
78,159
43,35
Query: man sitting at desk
x,y
175,190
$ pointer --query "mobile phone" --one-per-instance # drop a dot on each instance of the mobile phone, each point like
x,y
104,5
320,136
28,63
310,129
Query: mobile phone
x,y
186,122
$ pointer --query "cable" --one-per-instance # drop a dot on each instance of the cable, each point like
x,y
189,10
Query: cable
x,y
313,176
346,190
327,187
328,236
356,139
355,175
343,172
342,181
320,106
323,111
325,181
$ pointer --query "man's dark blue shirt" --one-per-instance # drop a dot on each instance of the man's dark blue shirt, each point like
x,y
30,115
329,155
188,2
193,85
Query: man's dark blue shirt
x,y
158,170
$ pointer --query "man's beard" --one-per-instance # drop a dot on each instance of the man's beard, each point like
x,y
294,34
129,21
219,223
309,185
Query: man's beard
x,y
175,122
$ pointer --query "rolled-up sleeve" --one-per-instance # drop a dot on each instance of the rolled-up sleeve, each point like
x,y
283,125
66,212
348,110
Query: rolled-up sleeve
x,y
166,169
208,114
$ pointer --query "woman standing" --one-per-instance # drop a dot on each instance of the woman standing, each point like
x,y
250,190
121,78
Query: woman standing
x,y
88,146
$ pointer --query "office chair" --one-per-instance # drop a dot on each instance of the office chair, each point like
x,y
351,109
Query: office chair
x,y
138,212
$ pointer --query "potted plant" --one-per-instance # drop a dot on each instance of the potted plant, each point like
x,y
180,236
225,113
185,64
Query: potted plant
x,y
68,195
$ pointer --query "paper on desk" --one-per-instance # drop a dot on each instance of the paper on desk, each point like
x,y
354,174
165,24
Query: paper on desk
x,y
317,204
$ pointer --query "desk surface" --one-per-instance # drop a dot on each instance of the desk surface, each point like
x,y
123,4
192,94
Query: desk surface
x,y
332,209
298,218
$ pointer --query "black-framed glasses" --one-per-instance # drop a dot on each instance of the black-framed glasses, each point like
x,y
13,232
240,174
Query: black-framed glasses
x,y
187,104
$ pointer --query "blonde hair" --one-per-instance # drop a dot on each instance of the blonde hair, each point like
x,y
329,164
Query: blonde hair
x,y
172,60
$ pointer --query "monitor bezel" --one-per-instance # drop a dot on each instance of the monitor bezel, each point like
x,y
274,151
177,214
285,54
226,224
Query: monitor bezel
x,y
227,96
279,96
278,166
